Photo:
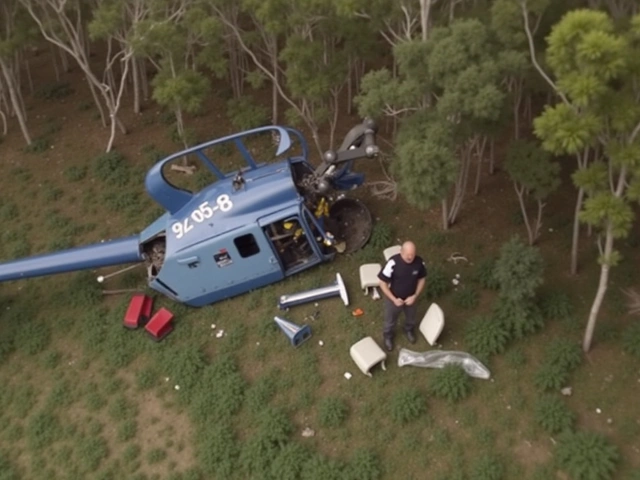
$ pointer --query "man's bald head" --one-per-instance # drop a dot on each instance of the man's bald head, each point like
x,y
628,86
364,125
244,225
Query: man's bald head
x,y
408,251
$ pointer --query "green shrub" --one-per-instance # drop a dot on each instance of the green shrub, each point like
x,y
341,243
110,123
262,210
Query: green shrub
x,y
9,211
33,337
245,114
586,456
217,450
406,405
519,270
484,274
260,393
75,173
7,469
466,298
563,352
487,467
287,465
437,282
127,430
122,409
321,468
555,305
21,174
631,339
551,376
552,414
112,169
515,357
364,465
520,318
131,452
485,336
38,145
381,236
146,378
332,412
156,455
42,430
450,383
436,238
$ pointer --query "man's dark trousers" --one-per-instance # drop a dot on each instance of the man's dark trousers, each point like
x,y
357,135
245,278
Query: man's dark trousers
x,y
391,314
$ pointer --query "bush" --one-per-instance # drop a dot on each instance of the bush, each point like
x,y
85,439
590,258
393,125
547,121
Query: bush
x,y
487,467
451,383
287,465
112,169
381,236
54,91
42,430
550,376
552,414
466,298
564,352
75,173
218,450
364,465
407,405
156,455
555,305
485,336
437,282
332,412
436,238
38,145
127,430
586,456
519,318
518,270
631,339
484,274
33,337
260,393
245,114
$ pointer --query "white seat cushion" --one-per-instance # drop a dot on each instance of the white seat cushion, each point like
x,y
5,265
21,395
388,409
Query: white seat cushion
x,y
366,353
369,276
391,251
432,323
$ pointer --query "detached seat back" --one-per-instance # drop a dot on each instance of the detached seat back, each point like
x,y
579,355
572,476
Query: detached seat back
x,y
160,324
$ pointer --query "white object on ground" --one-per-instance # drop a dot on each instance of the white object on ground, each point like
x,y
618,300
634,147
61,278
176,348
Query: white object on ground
x,y
375,294
321,343
369,276
366,353
347,375
177,387
432,323
220,333
441,358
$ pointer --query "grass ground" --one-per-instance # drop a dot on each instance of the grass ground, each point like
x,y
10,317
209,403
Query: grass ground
x,y
84,398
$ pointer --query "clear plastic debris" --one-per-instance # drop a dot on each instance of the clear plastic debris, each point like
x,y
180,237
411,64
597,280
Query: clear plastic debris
x,y
440,358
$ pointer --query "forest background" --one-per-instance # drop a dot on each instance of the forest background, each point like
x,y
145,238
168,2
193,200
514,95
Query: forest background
x,y
497,119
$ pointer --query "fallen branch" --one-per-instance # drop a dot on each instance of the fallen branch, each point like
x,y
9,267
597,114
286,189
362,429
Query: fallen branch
x,y
188,169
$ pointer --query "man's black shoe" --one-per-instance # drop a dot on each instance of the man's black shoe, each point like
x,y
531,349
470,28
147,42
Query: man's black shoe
x,y
388,344
411,336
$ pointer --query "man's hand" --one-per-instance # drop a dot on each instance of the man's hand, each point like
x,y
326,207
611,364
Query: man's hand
x,y
410,300
398,302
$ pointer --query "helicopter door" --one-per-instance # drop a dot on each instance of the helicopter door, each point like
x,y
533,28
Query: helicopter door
x,y
292,241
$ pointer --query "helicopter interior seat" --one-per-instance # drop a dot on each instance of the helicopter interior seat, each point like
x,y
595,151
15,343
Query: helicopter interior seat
x,y
290,242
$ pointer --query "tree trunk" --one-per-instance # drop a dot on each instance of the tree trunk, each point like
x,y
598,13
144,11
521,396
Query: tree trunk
x,y
13,95
445,215
491,156
523,209
602,289
576,232
136,84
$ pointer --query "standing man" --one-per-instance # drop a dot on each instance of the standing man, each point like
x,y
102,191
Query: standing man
x,y
401,280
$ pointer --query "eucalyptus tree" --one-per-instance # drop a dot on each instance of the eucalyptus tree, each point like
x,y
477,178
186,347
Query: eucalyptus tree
x,y
15,33
177,37
534,174
64,23
312,67
597,75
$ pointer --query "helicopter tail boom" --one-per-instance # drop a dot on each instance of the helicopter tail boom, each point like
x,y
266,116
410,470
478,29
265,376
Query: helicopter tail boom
x,y
113,252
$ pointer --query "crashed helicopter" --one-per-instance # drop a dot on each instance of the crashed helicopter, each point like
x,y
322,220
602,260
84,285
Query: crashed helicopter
x,y
246,230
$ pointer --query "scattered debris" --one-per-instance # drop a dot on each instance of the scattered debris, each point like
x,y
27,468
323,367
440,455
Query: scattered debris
x,y
357,312
609,421
177,387
456,257
307,432
567,391
598,410
321,343
213,326
455,281
347,375
375,295
220,334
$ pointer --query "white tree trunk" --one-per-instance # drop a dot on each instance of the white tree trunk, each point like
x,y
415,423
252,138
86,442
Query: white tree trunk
x,y
602,289
15,102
